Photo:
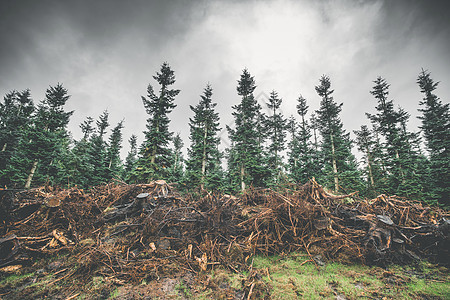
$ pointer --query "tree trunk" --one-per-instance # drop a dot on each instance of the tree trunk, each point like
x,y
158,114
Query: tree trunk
x,y
315,140
242,178
152,159
202,185
4,147
369,165
30,176
336,180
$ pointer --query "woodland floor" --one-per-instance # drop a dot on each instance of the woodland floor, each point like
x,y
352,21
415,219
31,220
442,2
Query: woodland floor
x,y
276,277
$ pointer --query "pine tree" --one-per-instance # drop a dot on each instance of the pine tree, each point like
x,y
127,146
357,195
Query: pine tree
x,y
401,162
204,156
177,161
154,156
246,163
367,145
113,152
301,156
15,119
38,153
97,152
436,131
339,164
78,169
130,160
275,129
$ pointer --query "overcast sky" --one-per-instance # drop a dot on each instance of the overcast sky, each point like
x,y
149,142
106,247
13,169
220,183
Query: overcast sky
x,y
106,52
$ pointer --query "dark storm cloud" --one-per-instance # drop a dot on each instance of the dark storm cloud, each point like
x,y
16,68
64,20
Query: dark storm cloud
x,y
95,25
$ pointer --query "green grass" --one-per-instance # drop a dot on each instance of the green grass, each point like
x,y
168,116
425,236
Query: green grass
x,y
291,278
182,288
14,279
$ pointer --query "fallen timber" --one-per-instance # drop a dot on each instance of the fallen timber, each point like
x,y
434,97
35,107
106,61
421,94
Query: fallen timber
x,y
143,231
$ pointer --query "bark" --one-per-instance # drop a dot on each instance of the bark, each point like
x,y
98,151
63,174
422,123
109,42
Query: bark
x,y
336,180
30,176
242,178
204,158
4,147
152,159
369,165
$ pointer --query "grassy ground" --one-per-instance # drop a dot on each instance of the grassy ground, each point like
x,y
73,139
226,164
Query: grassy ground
x,y
292,278
289,277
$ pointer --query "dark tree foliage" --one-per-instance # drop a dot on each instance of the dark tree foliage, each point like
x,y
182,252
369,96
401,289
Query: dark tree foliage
x,y
302,162
176,171
78,169
130,160
275,130
246,163
203,166
340,167
367,144
115,166
403,165
38,154
436,131
97,153
155,154
15,120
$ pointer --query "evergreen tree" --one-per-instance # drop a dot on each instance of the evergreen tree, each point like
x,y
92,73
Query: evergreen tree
x,y
113,152
16,112
275,128
246,163
176,164
154,158
339,164
400,160
436,131
86,127
301,156
367,144
39,152
78,168
204,157
131,158
97,152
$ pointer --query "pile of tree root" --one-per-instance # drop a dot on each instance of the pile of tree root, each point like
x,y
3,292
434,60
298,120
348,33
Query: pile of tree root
x,y
144,231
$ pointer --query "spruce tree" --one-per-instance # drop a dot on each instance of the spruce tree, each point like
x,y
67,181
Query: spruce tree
x,y
401,162
16,112
301,156
436,131
175,173
155,154
275,131
131,158
78,168
39,151
367,145
97,152
246,163
340,166
204,156
115,166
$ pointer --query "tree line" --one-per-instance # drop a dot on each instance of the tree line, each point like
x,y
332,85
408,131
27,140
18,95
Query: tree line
x,y
36,147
